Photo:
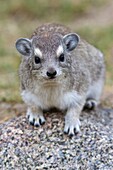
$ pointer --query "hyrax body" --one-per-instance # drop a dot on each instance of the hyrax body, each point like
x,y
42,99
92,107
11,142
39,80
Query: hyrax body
x,y
61,70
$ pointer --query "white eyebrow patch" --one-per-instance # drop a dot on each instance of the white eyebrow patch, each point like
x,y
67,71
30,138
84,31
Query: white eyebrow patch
x,y
38,52
59,50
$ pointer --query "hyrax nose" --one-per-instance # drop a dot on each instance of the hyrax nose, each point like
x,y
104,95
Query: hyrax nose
x,y
51,73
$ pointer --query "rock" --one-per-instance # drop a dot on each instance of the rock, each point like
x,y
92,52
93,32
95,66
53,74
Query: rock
x,y
25,147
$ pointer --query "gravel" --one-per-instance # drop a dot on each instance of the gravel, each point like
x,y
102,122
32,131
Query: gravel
x,y
24,147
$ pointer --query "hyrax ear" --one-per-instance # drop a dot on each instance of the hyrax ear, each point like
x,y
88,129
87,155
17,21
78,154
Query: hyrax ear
x,y
71,40
23,45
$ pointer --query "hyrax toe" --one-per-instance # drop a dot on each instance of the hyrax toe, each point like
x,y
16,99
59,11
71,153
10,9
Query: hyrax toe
x,y
41,120
32,122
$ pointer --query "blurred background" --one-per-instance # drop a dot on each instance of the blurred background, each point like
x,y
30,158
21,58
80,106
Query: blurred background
x,y
92,19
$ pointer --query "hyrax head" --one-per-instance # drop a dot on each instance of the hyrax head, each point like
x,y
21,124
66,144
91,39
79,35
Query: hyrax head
x,y
49,54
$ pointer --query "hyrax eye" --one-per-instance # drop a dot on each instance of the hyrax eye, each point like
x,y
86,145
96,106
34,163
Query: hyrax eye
x,y
37,60
61,58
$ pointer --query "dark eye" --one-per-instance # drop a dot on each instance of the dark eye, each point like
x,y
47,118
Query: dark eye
x,y
37,60
61,58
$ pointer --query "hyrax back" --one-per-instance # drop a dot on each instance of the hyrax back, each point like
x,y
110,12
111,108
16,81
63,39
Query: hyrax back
x,y
61,70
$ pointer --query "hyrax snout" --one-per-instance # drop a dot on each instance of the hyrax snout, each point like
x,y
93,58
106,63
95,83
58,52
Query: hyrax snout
x,y
59,69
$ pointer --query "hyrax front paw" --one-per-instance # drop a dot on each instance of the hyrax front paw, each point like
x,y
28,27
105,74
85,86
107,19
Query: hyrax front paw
x,y
72,126
35,119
